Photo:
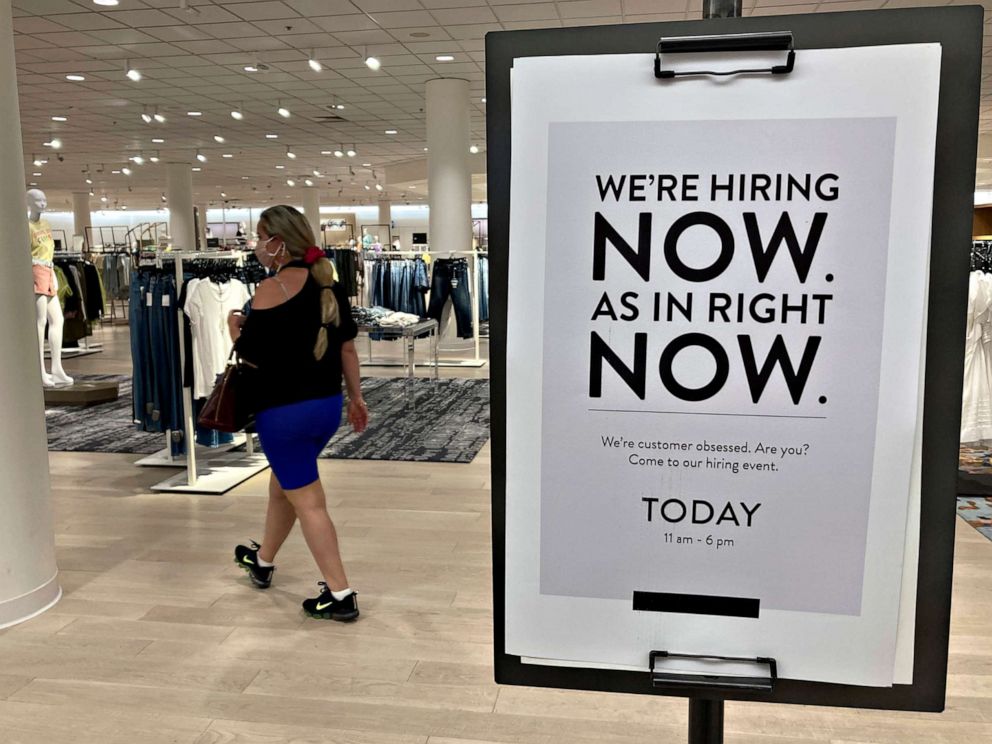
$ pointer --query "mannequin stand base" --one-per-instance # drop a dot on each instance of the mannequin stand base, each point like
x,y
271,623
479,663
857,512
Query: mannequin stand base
x,y
82,394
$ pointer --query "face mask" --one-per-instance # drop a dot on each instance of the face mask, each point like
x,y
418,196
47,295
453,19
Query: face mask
x,y
264,257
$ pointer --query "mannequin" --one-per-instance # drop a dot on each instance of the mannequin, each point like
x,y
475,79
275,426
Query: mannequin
x,y
46,290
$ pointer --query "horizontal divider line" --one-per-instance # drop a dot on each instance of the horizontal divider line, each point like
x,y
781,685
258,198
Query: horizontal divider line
x,y
701,413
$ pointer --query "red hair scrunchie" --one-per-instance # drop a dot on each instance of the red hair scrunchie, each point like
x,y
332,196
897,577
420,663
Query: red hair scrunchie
x,y
313,255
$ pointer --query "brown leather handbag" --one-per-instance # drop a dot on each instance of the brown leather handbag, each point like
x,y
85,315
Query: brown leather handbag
x,y
226,409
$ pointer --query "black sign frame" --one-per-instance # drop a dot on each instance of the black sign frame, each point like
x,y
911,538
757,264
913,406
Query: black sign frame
x,y
959,30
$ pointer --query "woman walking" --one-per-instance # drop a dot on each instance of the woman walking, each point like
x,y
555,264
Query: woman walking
x,y
298,342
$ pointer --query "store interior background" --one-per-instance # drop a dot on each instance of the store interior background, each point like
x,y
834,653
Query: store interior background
x,y
158,638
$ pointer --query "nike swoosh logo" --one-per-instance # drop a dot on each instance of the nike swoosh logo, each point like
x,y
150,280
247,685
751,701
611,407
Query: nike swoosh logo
x,y
323,606
248,560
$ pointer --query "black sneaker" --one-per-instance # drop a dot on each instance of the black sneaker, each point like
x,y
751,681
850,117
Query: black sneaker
x,y
325,607
247,558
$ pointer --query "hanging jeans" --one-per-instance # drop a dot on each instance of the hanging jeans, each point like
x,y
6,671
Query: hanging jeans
x,y
483,289
140,351
451,280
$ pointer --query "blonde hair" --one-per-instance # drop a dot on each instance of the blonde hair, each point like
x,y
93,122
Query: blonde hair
x,y
297,235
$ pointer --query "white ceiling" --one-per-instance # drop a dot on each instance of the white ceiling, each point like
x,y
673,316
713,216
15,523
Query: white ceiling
x,y
193,61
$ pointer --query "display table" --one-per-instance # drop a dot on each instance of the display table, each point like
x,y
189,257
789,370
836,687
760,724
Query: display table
x,y
409,335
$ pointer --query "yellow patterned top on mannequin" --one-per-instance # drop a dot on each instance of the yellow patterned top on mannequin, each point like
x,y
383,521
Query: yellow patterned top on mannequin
x,y
42,242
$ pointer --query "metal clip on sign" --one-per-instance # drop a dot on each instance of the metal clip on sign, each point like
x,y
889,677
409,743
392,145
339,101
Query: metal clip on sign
x,y
718,681
767,42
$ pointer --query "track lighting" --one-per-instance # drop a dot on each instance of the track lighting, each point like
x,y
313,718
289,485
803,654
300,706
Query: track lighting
x,y
201,157
126,171
372,63
290,154
308,182
314,64
154,158
219,140
237,115
352,152
474,149
290,182
131,73
378,187
146,117
89,181
55,144
283,111
138,160
158,117
338,154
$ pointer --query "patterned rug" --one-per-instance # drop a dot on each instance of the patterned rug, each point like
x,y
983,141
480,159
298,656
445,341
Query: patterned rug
x,y
418,421
977,511
974,470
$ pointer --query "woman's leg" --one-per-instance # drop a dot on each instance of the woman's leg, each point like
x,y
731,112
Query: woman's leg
x,y
319,532
279,521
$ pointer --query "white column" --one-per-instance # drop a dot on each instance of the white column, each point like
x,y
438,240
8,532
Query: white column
x,y
179,192
28,574
311,208
201,226
385,214
81,218
449,178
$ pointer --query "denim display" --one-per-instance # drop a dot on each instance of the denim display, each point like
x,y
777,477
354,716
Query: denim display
x,y
400,284
483,289
451,279
157,377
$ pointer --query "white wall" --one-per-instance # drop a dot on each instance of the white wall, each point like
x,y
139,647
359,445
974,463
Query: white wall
x,y
407,219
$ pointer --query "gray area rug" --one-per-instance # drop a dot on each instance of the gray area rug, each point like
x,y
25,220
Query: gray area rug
x,y
418,421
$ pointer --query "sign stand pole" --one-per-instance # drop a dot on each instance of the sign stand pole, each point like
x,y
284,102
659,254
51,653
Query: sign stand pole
x,y
705,721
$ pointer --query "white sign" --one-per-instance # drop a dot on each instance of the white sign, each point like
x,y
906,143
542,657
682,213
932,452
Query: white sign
x,y
723,287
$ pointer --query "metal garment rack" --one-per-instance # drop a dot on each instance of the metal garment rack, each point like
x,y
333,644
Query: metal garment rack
x,y
83,346
220,469
477,360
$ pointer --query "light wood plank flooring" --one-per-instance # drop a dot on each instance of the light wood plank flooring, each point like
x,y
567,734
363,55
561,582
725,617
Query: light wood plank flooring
x,y
161,640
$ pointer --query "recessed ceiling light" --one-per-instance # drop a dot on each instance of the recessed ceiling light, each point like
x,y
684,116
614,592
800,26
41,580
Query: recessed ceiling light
x,y
366,165
272,136
124,207
37,174
197,170
158,141
244,178
75,78
219,140
33,183
106,2
425,149
340,107
326,152
115,173
390,131
103,198
251,68
60,118
280,167
227,155
483,100
474,149
444,58
194,113
154,158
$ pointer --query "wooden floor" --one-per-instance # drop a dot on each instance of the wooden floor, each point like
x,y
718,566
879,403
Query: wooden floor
x,y
161,640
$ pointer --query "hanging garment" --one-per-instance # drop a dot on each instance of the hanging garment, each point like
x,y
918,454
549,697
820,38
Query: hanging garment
x,y
451,279
207,306
976,405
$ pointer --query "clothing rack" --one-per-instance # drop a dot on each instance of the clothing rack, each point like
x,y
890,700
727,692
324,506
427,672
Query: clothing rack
x,y
476,360
116,250
83,346
220,470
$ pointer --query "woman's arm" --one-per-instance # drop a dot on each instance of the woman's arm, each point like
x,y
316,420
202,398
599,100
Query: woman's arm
x,y
358,413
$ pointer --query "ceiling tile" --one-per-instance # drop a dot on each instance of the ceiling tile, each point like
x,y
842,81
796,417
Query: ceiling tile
x,y
362,38
37,25
355,22
430,4
207,46
262,11
239,29
159,49
588,8
67,39
404,19
124,36
374,6
463,16
310,8
474,31
142,18
258,43
85,21
204,14
529,12
653,7
46,7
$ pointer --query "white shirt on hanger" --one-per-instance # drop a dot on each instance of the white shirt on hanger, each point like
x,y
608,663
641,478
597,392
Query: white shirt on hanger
x,y
207,306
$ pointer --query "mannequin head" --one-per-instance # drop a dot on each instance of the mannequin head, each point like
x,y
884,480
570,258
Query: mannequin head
x,y
37,203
